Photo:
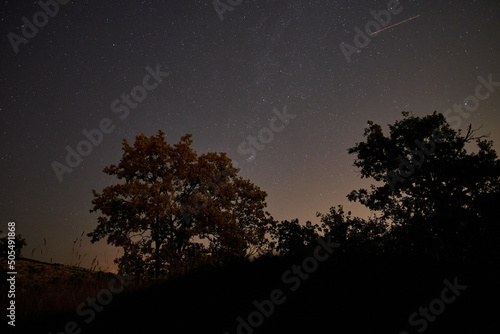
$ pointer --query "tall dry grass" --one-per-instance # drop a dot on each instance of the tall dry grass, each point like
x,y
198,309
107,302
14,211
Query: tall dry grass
x,y
45,288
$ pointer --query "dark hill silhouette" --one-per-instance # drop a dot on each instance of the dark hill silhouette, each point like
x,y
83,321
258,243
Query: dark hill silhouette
x,y
347,294
426,262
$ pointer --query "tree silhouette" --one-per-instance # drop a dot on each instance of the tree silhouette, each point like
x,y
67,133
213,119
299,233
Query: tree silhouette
x,y
353,233
430,190
291,238
175,210
17,246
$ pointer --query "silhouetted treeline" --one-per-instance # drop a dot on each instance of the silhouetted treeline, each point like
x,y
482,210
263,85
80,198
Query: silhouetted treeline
x,y
424,261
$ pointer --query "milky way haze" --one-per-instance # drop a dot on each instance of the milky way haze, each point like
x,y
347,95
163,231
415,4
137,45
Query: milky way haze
x,y
283,87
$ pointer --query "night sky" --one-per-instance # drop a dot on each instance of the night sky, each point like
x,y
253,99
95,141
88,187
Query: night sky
x,y
223,77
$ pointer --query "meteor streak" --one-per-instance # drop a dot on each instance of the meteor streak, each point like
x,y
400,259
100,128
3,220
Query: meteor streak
x,y
411,18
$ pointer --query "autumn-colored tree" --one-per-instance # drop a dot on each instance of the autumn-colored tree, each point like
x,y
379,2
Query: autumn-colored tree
x,y
435,195
175,210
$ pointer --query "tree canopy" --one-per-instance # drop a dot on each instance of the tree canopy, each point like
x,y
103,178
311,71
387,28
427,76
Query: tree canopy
x,y
18,243
292,238
432,192
175,209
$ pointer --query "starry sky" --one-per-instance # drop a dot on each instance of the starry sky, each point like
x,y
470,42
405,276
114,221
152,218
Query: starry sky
x,y
225,74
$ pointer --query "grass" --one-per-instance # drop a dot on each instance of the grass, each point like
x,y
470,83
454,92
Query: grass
x,y
350,293
353,294
45,288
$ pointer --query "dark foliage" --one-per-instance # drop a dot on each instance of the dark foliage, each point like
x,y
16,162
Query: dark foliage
x,y
435,219
19,243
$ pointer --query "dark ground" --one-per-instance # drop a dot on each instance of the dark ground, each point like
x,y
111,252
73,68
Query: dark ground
x,y
346,294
